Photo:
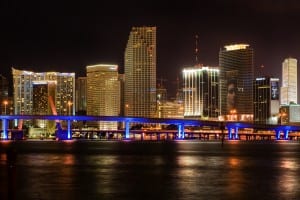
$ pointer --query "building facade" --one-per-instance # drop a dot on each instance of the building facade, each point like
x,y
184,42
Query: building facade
x,y
103,94
140,73
81,95
201,92
289,82
171,109
266,100
290,114
27,83
237,73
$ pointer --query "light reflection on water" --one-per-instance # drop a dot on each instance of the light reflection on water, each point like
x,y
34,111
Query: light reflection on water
x,y
94,170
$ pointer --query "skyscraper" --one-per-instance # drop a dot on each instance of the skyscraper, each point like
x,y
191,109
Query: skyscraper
x,y
103,93
81,96
23,85
201,92
140,73
266,100
237,73
288,92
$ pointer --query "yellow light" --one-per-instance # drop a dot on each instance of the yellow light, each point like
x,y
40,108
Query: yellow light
x,y
236,47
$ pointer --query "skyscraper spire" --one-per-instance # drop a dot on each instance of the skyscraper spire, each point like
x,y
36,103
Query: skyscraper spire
x,y
196,50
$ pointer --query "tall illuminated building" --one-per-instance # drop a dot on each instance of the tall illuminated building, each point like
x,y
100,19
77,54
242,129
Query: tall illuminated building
x,y
288,92
266,100
201,92
27,83
81,90
103,94
237,73
140,73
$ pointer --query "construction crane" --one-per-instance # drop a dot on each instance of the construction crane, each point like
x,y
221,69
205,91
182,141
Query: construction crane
x,y
161,82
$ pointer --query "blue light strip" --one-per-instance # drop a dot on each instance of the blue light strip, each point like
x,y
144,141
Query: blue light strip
x,y
182,131
4,125
277,134
179,131
229,133
69,130
286,134
127,125
236,132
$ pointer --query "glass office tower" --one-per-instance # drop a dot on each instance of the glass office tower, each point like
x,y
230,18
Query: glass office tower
x,y
237,73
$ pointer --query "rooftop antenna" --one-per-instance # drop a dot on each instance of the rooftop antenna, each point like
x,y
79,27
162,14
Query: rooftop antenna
x,y
261,70
196,49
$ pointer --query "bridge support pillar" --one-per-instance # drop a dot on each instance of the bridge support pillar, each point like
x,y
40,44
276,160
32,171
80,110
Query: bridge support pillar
x,y
69,130
127,125
236,136
229,133
4,128
286,134
277,134
181,131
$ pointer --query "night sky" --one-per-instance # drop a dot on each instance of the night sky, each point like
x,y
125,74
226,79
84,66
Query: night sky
x,y
67,36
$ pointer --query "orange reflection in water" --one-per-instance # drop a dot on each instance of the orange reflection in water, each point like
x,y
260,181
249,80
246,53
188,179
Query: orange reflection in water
x,y
235,177
3,158
287,181
69,159
234,162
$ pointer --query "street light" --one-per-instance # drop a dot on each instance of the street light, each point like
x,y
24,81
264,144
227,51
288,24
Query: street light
x,y
5,102
69,106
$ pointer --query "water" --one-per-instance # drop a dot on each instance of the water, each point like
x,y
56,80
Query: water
x,y
151,170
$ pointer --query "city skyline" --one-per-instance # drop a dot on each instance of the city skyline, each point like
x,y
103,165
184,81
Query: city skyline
x,y
68,37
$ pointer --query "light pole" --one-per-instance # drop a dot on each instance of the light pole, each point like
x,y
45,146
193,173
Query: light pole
x,y
69,106
5,104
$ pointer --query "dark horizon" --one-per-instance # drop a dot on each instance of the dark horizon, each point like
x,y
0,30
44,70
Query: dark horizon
x,y
66,37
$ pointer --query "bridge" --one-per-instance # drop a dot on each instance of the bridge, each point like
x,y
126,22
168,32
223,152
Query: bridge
x,y
231,127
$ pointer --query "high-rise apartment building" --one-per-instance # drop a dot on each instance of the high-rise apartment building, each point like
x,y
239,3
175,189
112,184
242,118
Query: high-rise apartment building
x,y
80,95
103,94
237,73
288,92
266,100
201,92
140,73
27,83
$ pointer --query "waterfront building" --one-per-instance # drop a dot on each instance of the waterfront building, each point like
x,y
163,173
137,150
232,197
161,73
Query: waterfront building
x,y
201,92
27,83
171,109
80,95
103,94
289,82
140,73
4,95
236,78
266,100
122,80
289,114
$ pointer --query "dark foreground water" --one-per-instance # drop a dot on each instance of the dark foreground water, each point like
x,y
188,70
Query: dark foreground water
x,y
150,170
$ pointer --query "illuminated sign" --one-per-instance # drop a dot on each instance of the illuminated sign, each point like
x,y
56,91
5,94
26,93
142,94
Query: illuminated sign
x,y
274,90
